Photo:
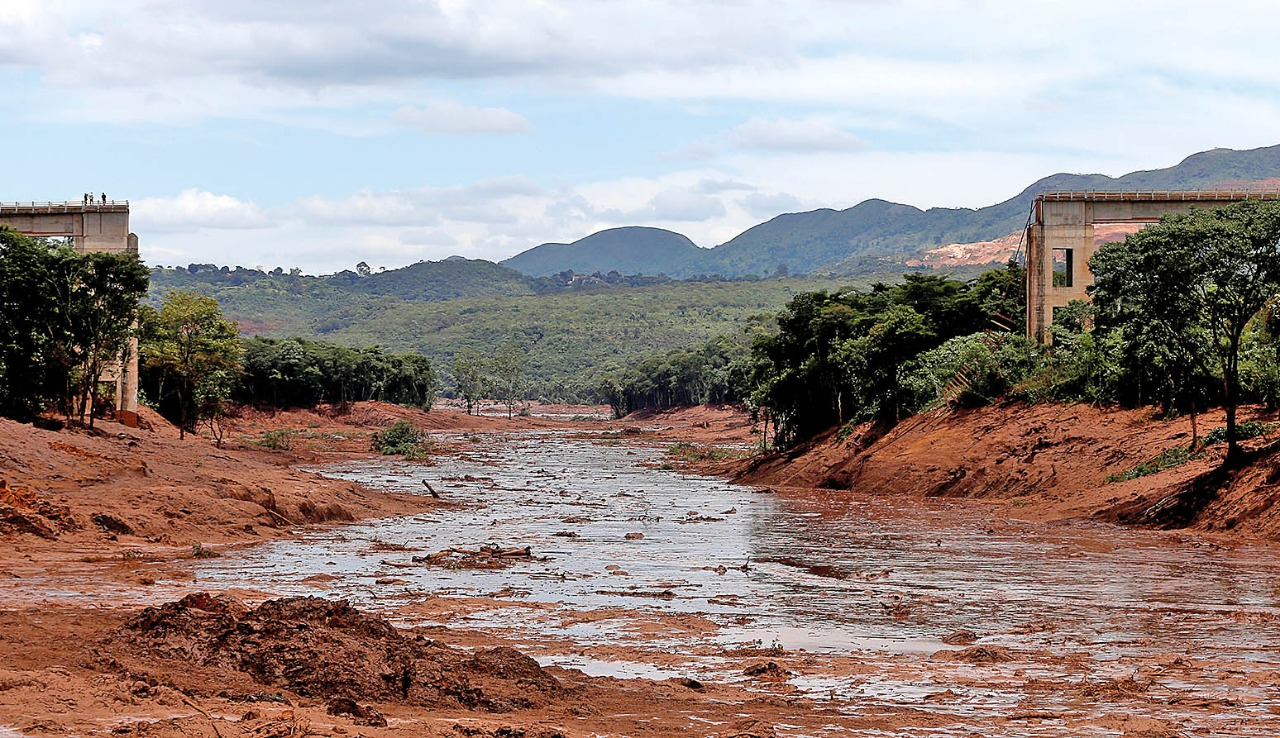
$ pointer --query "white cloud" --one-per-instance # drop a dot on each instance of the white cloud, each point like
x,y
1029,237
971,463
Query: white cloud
x,y
194,209
450,118
781,134
766,206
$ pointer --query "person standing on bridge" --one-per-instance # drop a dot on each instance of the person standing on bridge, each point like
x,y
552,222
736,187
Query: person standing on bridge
x,y
104,198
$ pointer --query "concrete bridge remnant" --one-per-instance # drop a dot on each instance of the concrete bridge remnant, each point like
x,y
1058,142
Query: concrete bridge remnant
x,y
91,227
1063,228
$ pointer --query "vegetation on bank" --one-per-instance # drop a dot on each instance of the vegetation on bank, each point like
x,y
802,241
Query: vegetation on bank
x,y
194,366
65,320
1186,314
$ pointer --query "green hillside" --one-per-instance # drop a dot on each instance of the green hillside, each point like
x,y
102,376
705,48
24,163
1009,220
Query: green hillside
x,y
630,250
567,335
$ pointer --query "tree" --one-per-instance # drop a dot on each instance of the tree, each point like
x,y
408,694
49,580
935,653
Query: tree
x,y
194,348
507,371
97,296
469,378
876,360
1195,281
64,317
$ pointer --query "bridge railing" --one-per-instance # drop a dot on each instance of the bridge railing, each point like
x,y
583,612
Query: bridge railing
x,y
61,207
1159,195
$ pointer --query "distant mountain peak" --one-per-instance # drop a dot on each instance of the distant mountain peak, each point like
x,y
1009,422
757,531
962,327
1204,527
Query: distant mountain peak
x,y
875,232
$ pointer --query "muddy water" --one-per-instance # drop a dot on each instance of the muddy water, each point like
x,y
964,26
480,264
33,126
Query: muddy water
x,y
838,576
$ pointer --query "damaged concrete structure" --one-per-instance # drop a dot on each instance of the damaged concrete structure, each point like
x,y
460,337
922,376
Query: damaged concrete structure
x,y
91,226
1063,230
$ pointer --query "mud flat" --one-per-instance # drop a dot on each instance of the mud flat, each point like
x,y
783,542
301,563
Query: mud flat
x,y
569,582
933,617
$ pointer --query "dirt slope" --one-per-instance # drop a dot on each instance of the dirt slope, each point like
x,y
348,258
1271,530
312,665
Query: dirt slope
x,y
1047,461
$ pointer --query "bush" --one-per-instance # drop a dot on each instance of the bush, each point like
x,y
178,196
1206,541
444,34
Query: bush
x,y
1244,430
1176,456
278,440
400,437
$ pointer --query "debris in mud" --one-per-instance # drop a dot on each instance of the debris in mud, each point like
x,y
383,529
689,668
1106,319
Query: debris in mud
x,y
112,524
976,655
326,650
694,517
360,714
634,536
565,534
22,510
485,557
1112,689
960,638
471,480
751,728
766,670
664,594
689,683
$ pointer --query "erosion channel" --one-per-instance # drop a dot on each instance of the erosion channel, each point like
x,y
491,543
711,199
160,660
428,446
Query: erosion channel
x,y
913,617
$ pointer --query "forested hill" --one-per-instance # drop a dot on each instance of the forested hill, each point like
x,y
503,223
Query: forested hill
x,y
568,333
630,250
876,235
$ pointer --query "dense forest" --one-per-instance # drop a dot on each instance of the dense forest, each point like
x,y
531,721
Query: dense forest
x,y
569,337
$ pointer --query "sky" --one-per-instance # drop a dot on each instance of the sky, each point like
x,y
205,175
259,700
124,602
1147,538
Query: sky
x,y
320,134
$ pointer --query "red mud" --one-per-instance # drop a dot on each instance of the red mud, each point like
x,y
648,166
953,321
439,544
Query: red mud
x,y
87,505
1045,461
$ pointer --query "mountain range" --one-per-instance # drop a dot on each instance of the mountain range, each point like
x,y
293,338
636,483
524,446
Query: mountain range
x,y
872,235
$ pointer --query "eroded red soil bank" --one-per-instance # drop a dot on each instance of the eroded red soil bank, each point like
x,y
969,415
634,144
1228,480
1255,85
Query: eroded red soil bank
x,y
1045,461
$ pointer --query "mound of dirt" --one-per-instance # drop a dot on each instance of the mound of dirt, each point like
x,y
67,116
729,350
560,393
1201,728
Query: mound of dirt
x,y
328,650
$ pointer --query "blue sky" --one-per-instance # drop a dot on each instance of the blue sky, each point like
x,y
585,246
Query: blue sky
x,y
318,134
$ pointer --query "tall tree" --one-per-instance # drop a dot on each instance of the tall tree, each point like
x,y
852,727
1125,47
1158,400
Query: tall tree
x,y
1195,280
98,297
64,317
507,371
191,344
469,378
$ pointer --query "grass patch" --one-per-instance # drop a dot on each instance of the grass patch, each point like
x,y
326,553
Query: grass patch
x,y
1244,431
1167,459
689,452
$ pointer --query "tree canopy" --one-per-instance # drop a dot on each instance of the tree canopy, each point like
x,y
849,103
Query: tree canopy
x,y
64,318
1183,292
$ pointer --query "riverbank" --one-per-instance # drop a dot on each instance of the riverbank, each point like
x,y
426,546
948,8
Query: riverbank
x,y
1040,462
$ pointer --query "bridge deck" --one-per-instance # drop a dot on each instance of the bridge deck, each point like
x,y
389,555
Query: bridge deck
x,y
1158,195
46,208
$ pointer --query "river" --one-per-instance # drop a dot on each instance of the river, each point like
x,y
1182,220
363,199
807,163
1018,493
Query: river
x,y
844,578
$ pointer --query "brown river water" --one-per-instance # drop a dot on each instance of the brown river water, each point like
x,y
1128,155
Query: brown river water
x,y
1103,625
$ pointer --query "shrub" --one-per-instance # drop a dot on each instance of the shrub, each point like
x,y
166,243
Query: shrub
x,y
400,437
1244,430
1167,459
278,440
